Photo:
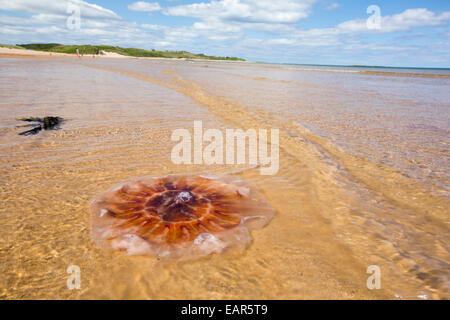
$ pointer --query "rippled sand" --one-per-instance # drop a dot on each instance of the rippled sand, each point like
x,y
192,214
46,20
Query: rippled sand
x,y
363,180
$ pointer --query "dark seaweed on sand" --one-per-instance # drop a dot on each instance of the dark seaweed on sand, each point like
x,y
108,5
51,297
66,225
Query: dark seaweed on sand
x,y
38,124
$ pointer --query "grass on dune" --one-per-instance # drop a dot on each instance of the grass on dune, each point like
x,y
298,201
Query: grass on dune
x,y
133,52
10,46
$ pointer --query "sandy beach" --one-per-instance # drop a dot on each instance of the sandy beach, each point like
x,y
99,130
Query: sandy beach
x,y
363,177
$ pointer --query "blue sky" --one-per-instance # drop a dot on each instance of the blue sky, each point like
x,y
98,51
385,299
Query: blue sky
x,y
406,33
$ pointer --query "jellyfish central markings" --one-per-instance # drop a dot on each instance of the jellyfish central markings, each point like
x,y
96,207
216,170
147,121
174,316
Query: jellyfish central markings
x,y
184,196
174,205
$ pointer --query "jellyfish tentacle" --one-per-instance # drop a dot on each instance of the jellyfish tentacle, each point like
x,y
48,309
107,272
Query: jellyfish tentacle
x,y
159,232
174,233
210,225
185,234
148,226
125,207
125,215
127,192
226,221
193,229
133,222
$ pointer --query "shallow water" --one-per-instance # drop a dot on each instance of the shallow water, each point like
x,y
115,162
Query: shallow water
x,y
363,179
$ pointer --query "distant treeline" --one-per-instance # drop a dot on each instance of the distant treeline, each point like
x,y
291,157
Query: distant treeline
x,y
133,52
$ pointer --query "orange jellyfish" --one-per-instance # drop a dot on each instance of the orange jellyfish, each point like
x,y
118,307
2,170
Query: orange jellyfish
x,y
176,216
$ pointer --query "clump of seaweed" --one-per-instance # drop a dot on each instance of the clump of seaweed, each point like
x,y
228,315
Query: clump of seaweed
x,y
38,124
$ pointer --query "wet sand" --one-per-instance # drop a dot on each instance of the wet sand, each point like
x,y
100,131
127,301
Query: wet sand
x,y
363,178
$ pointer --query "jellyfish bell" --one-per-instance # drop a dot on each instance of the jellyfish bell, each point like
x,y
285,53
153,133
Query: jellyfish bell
x,y
178,216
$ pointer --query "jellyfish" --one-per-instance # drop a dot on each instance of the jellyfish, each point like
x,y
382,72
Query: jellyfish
x,y
178,216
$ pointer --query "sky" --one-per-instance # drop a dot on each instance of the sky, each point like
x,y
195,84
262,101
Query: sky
x,y
332,32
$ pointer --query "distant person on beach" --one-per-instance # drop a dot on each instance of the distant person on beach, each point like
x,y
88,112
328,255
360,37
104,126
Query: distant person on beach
x,y
78,53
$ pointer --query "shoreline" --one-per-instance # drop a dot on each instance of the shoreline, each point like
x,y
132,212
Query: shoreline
x,y
34,54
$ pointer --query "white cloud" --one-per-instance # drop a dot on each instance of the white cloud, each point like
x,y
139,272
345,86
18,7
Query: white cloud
x,y
90,11
414,18
352,35
153,26
213,25
404,21
224,17
250,11
46,21
144,6
333,6
411,18
283,41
